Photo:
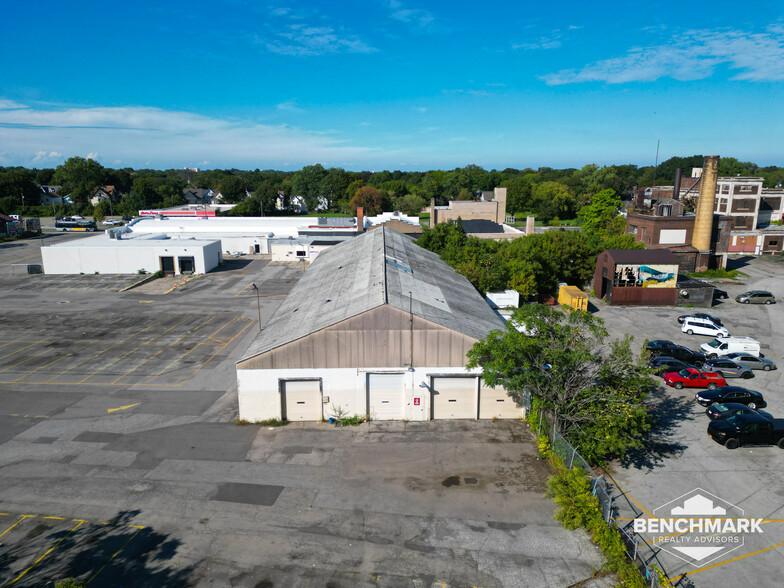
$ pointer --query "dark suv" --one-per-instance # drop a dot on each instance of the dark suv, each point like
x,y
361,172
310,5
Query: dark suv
x,y
695,358
756,297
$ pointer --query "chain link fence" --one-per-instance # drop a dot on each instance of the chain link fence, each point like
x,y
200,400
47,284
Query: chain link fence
x,y
637,549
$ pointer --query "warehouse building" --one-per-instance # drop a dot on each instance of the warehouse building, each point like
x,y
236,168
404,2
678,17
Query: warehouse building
x,y
376,326
112,253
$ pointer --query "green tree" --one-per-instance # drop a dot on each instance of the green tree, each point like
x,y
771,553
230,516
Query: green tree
x,y
595,390
410,204
79,177
368,198
465,194
553,199
600,216
232,189
309,183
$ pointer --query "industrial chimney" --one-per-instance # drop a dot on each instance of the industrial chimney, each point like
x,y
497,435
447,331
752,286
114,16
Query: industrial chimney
x,y
703,224
676,190
360,219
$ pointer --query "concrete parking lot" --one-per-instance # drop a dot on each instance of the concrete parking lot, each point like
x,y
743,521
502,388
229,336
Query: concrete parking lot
x,y
681,457
121,463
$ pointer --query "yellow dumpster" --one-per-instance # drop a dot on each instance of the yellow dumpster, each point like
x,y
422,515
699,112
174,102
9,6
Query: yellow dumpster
x,y
572,296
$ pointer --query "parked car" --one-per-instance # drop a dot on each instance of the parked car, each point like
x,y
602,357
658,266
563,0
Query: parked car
x,y
111,221
736,394
727,368
722,346
701,315
747,429
751,362
659,347
127,218
701,326
720,294
729,409
696,358
694,378
76,217
663,364
756,297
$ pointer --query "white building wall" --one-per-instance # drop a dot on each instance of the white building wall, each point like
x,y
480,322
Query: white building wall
x,y
259,390
117,258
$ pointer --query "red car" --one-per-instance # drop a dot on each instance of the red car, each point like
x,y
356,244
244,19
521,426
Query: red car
x,y
694,378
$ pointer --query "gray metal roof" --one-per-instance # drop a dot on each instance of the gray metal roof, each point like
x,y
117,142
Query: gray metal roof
x,y
376,268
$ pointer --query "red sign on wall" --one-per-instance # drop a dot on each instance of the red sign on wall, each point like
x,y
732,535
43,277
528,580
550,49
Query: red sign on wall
x,y
416,401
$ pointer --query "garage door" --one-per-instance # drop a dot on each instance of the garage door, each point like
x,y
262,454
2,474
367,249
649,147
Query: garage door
x,y
496,403
302,400
454,398
385,396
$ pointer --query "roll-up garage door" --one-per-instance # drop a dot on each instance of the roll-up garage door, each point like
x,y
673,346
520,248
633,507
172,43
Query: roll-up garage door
x,y
302,400
385,396
454,398
496,403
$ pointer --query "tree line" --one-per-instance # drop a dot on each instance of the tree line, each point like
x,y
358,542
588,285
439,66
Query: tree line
x,y
550,194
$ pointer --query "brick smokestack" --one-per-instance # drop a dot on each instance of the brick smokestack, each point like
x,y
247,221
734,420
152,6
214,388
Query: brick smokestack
x,y
360,219
676,191
703,224
639,198
530,224
432,212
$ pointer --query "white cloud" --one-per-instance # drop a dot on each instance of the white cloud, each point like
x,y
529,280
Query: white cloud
x,y
552,41
693,55
141,134
93,155
10,105
418,19
420,109
301,40
289,106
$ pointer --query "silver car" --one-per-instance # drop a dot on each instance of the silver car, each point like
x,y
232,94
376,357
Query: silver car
x,y
727,368
752,362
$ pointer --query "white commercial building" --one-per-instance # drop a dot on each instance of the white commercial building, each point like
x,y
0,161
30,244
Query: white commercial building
x,y
104,254
377,326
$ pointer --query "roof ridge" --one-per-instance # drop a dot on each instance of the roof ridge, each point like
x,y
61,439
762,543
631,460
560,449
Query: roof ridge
x,y
384,261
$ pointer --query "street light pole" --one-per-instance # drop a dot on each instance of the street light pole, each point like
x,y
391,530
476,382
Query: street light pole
x,y
258,302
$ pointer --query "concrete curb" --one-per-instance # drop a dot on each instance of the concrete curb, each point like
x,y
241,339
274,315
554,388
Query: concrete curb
x,y
173,288
149,278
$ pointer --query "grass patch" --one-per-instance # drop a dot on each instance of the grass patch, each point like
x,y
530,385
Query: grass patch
x,y
352,421
276,422
241,422
718,273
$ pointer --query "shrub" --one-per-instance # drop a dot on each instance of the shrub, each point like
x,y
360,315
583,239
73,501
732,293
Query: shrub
x,y
275,422
241,422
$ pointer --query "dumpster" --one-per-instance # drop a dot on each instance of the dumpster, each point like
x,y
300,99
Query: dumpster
x,y
573,297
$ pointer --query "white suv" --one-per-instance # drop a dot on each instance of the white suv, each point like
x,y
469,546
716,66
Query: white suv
x,y
702,326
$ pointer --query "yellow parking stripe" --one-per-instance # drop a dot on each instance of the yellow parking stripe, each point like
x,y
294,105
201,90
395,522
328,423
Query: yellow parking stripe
x,y
20,576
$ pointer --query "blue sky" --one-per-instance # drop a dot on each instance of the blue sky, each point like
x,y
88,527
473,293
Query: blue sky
x,y
390,84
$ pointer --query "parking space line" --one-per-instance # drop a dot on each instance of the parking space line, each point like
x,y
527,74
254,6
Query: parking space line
x,y
22,349
21,518
137,366
721,563
123,546
81,522
219,330
167,330
171,364
43,366
204,323
216,353
23,361
107,365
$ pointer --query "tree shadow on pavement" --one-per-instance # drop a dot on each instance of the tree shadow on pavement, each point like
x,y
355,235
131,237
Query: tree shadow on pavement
x,y
113,553
667,412
738,262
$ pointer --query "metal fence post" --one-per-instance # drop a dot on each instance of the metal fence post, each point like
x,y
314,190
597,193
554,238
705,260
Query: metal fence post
x,y
571,461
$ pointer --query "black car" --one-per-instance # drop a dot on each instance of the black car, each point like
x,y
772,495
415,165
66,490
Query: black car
x,y
127,218
735,394
659,347
663,364
695,358
720,294
723,411
715,320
